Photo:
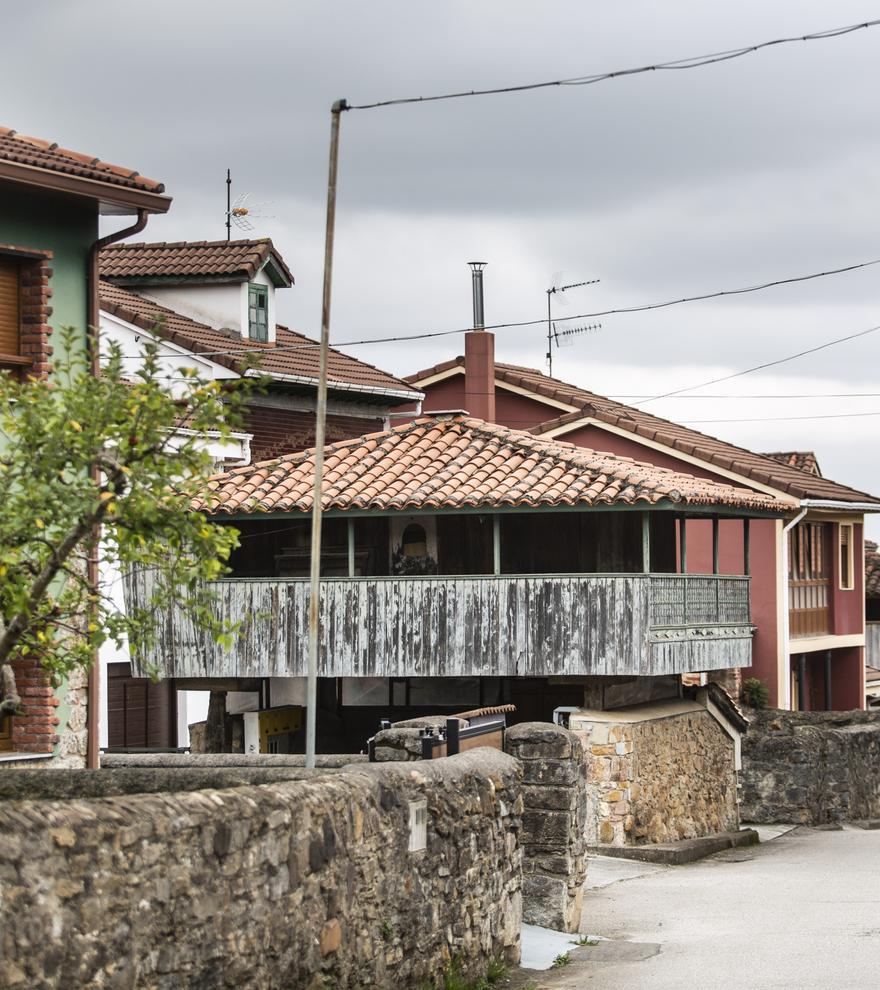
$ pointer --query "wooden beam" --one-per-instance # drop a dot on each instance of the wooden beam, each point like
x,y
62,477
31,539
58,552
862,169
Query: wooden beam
x,y
747,549
682,544
646,543
351,548
496,544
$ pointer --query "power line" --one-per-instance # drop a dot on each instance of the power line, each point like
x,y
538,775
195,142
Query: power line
x,y
692,62
423,335
752,395
761,367
779,419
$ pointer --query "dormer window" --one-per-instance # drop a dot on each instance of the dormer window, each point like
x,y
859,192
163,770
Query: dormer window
x,y
258,312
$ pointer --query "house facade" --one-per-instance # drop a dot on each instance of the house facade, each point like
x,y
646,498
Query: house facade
x,y
51,200
807,583
211,306
465,564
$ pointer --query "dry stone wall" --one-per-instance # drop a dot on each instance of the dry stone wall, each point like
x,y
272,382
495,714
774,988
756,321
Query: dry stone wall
x,y
811,767
304,883
554,819
658,779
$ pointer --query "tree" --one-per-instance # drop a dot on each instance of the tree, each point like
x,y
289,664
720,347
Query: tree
x,y
121,455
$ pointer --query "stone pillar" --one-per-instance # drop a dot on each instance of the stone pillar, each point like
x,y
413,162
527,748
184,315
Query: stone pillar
x,y
554,817
215,726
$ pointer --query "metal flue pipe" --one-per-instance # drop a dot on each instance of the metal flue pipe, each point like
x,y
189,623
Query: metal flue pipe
x,y
477,291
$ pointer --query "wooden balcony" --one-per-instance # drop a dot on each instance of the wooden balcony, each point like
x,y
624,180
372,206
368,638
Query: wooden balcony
x,y
535,626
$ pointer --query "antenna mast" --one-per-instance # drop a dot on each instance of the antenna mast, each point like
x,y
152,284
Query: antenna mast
x,y
552,335
228,205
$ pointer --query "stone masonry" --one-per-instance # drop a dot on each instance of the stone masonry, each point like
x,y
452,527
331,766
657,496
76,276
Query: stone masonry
x,y
658,773
554,818
301,883
811,767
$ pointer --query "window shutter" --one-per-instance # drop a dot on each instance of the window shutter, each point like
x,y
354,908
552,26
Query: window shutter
x,y
10,314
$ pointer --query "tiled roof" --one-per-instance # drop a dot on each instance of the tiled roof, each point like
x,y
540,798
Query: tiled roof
x,y
803,460
455,461
189,260
36,152
872,570
757,467
292,356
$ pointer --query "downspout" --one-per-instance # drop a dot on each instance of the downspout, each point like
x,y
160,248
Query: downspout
x,y
786,628
93,753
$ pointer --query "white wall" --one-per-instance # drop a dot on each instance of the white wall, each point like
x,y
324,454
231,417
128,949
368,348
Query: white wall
x,y
217,305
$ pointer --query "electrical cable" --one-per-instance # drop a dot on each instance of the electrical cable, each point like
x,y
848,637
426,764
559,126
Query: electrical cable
x,y
692,62
761,367
780,419
423,335
752,395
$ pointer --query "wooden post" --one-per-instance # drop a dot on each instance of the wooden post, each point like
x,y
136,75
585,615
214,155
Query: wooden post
x,y
496,544
646,543
747,549
351,548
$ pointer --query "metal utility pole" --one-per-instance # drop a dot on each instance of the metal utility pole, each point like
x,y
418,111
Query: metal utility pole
x,y
320,425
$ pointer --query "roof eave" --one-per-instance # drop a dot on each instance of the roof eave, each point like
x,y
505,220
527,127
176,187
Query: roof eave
x,y
332,384
112,199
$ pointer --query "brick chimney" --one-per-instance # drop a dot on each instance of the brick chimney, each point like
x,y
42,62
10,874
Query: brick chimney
x,y
479,356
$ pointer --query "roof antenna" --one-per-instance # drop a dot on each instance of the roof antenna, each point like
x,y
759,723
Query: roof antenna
x,y
238,211
561,338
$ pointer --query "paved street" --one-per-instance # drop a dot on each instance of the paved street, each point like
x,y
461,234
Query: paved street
x,y
801,911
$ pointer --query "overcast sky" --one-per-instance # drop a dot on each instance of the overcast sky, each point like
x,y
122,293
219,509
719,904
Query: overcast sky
x,y
661,185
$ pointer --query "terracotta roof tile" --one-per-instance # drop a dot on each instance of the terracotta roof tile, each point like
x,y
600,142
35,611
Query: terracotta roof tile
x,y
39,153
455,461
803,460
761,468
872,570
190,260
292,356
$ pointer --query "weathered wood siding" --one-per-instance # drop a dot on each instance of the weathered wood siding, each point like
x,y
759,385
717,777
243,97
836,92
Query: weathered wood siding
x,y
462,626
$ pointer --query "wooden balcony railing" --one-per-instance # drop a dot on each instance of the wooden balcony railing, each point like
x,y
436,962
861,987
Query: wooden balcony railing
x,y
809,607
547,625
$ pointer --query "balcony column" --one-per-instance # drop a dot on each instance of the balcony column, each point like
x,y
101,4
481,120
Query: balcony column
x,y
714,544
646,543
747,549
496,544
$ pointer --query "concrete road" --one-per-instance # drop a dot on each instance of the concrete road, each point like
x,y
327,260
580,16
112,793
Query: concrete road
x,y
799,912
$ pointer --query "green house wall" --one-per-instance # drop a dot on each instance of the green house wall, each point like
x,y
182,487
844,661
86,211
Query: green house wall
x,y
66,226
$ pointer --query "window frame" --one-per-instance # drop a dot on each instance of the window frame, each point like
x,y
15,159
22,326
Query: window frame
x,y
256,289
846,581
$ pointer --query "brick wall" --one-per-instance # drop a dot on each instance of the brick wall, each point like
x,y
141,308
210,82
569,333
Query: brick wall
x,y
283,431
290,884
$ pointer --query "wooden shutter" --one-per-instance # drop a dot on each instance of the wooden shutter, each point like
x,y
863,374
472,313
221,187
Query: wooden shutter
x,y
139,713
10,315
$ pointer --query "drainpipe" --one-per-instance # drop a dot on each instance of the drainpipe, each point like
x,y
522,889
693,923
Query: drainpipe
x,y
786,633
93,753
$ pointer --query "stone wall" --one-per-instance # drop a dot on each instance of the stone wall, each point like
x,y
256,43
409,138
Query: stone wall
x,y
304,883
554,818
811,767
658,773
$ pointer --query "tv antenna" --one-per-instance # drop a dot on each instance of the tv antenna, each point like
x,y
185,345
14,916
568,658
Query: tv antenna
x,y
562,338
240,211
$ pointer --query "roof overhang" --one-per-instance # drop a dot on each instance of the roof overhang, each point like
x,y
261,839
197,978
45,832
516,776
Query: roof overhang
x,y
111,199
337,386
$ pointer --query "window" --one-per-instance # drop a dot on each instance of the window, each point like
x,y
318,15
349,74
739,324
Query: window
x,y
847,577
10,314
258,312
